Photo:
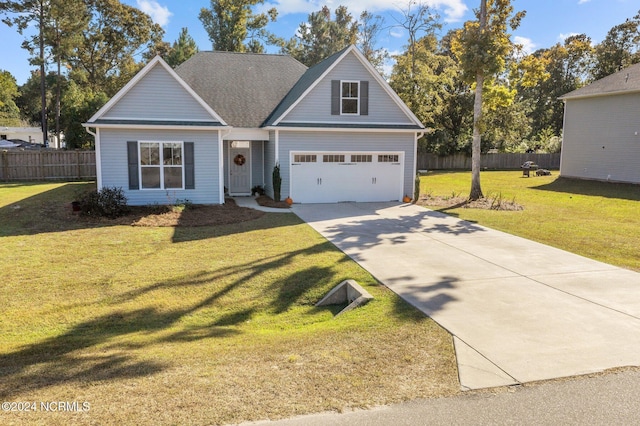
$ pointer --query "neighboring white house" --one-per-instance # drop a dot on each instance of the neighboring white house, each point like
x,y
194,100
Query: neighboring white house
x,y
27,134
601,135
222,121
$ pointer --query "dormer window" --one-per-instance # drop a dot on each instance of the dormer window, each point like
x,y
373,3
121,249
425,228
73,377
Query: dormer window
x,y
350,98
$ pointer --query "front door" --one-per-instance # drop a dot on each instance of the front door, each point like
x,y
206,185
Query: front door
x,y
239,170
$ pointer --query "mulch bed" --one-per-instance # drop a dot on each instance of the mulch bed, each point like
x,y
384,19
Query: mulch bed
x,y
192,215
266,201
487,203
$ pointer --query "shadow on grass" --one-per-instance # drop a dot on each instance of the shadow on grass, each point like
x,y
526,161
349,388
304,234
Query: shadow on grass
x,y
624,191
50,211
100,348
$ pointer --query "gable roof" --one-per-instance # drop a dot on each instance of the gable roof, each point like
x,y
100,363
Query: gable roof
x,y
98,117
624,81
303,85
244,88
315,74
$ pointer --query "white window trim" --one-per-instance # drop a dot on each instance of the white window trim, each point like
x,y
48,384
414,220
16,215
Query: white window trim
x,y
161,166
342,98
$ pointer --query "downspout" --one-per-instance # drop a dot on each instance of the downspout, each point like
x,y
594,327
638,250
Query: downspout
x,y
277,146
415,162
96,137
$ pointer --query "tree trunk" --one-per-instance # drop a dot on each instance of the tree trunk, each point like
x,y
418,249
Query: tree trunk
x,y
43,87
58,95
476,189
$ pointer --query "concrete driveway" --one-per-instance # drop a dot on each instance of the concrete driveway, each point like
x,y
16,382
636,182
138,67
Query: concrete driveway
x,y
519,311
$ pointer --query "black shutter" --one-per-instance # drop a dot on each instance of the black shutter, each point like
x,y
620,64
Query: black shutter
x,y
189,169
364,98
335,97
132,161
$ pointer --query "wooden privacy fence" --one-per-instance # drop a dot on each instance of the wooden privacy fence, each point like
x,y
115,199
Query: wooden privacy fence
x,y
428,161
73,165
47,165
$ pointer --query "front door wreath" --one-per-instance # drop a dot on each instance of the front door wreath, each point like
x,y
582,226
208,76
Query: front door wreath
x,y
239,160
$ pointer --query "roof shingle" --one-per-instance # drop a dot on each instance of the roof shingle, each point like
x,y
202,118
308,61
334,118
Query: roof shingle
x,y
624,81
243,88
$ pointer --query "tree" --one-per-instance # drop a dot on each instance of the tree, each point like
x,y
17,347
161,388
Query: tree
x,y
232,23
552,73
321,36
619,49
79,104
418,20
482,48
182,49
67,20
23,13
423,78
9,112
29,102
105,59
369,28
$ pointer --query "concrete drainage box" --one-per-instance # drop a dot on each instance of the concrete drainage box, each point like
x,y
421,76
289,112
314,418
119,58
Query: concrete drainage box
x,y
349,292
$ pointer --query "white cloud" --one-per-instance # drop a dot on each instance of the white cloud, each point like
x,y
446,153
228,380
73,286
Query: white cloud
x,y
159,14
451,10
563,37
583,1
528,46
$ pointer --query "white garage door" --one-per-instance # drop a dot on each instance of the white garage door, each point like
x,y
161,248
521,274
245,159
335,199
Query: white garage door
x,y
330,177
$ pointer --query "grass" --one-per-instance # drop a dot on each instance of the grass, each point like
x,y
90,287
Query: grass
x,y
194,325
598,220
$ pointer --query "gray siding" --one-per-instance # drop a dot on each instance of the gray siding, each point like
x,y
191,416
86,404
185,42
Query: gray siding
x,y
113,160
269,162
601,138
347,141
257,164
158,96
316,106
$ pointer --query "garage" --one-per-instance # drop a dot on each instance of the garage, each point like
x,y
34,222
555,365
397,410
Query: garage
x,y
331,177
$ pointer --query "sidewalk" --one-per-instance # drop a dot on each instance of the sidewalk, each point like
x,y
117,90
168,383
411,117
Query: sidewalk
x,y
251,203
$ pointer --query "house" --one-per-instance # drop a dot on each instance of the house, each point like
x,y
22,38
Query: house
x,y
27,134
601,136
221,121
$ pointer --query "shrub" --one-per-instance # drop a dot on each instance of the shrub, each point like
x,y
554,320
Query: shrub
x,y
108,202
277,182
258,189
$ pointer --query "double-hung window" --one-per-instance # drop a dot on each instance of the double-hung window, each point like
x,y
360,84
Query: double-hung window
x,y
161,165
350,97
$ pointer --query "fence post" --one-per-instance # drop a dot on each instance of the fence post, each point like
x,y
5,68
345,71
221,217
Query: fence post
x,y
5,165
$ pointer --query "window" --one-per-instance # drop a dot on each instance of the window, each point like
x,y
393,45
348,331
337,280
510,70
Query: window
x,y
350,97
161,165
240,144
388,158
304,158
361,158
333,158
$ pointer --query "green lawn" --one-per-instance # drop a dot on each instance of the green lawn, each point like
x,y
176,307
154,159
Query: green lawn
x,y
595,219
202,325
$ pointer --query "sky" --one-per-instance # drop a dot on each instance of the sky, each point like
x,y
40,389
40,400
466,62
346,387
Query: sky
x,y
547,22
